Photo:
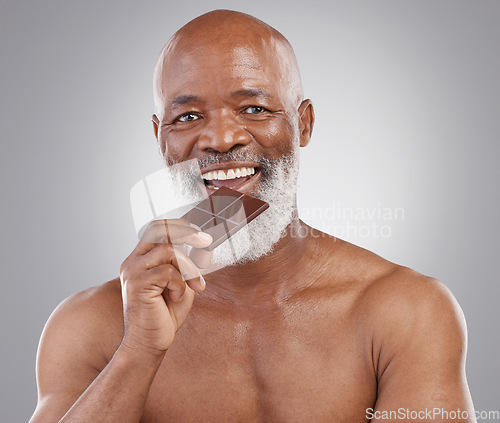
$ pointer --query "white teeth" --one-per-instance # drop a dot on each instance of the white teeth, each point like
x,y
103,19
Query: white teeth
x,y
222,175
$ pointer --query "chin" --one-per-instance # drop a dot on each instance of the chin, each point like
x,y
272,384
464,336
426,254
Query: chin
x,y
255,241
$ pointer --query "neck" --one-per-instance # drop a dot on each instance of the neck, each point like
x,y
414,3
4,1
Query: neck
x,y
271,279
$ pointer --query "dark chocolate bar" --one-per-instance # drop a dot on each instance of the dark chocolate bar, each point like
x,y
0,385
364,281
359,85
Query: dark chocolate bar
x,y
224,213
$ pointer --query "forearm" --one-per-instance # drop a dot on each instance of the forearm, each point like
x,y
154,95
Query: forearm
x,y
120,391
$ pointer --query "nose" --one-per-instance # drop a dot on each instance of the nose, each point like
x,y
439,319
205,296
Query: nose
x,y
221,132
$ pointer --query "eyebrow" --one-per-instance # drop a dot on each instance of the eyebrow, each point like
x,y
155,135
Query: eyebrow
x,y
183,100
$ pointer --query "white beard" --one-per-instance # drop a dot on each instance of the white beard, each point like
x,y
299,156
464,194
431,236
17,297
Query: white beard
x,y
277,187
257,239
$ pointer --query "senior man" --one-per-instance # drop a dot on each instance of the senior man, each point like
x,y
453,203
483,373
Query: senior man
x,y
301,327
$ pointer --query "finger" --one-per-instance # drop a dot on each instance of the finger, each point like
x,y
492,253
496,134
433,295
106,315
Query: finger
x,y
189,271
176,232
170,279
165,232
201,257
161,254
170,254
197,284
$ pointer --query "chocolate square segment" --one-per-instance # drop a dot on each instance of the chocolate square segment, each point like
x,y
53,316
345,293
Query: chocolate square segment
x,y
197,216
221,231
224,213
216,203
253,206
208,224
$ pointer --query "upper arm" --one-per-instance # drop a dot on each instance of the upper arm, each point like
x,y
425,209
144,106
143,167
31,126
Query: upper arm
x,y
421,351
71,354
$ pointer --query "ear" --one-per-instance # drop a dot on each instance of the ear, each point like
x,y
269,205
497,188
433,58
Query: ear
x,y
306,121
156,124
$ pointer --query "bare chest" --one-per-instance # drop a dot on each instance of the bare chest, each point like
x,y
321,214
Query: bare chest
x,y
269,368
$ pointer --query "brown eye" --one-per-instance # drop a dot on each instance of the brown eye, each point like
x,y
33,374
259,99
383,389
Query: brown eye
x,y
254,110
187,117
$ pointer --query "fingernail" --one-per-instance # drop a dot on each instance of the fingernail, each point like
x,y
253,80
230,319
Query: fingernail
x,y
202,281
205,237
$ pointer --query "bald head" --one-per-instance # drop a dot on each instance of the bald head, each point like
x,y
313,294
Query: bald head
x,y
239,37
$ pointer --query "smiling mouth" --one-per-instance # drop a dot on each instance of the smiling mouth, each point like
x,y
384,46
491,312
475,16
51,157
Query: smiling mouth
x,y
230,178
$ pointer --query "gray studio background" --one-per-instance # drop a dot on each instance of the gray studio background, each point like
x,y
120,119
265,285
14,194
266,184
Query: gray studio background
x,y
406,141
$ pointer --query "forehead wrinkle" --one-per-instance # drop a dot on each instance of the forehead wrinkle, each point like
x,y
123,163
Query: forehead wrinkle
x,y
250,92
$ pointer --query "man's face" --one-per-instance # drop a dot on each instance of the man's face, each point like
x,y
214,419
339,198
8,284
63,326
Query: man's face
x,y
226,99
230,106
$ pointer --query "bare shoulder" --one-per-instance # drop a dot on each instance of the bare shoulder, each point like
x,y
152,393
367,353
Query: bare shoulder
x,y
414,325
385,288
410,317
388,297
91,319
77,343
403,290
406,302
94,305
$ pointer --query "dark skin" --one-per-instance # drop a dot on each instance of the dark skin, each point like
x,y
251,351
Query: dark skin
x,y
319,330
